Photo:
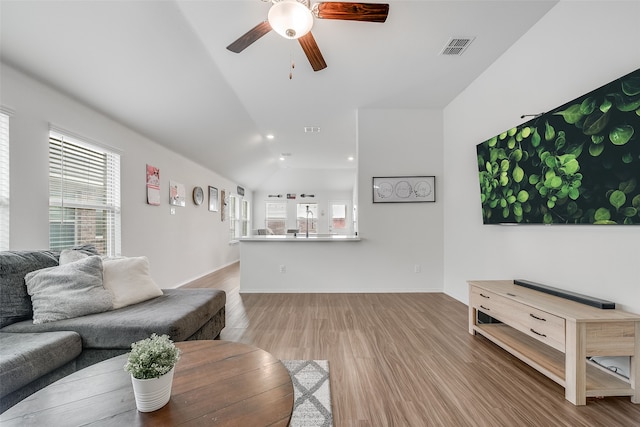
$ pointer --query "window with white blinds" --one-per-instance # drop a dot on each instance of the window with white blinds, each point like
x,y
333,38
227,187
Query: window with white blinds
x,y
234,218
4,181
276,217
238,217
245,219
84,195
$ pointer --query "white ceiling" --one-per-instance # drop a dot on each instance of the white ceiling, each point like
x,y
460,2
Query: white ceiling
x,y
161,68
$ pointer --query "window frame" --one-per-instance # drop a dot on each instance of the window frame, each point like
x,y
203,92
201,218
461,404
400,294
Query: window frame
x,y
281,230
233,217
238,217
84,184
5,187
334,221
245,218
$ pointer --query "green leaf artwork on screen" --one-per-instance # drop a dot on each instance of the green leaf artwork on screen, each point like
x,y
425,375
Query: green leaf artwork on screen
x,y
577,164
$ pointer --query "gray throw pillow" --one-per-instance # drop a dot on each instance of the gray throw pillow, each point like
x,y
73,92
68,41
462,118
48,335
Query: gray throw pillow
x,y
15,303
70,255
68,291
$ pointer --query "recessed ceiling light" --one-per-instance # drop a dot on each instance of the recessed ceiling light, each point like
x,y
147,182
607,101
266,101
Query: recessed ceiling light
x,y
350,158
270,136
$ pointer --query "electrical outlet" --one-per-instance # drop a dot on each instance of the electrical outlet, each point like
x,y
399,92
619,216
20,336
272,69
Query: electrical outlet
x,y
172,211
416,268
283,269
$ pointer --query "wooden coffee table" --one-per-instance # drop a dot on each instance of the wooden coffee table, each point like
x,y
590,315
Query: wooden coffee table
x,y
217,383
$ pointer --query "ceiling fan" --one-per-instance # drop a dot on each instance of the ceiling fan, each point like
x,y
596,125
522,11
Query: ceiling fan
x,y
293,19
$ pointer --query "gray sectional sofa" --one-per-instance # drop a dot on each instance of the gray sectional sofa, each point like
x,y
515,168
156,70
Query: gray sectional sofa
x,y
33,355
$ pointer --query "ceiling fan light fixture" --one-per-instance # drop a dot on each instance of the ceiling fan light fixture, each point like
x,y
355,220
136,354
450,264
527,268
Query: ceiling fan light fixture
x,y
290,18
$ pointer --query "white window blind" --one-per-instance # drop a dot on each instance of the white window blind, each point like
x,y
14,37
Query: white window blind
x,y
234,217
239,217
84,195
4,181
276,217
245,218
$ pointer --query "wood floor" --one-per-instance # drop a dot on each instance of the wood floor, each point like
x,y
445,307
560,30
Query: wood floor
x,y
406,360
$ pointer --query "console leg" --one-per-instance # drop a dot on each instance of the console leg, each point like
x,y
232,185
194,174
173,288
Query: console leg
x,y
575,363
634,374
472,319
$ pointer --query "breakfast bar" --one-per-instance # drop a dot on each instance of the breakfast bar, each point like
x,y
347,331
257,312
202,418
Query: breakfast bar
x,y
284,263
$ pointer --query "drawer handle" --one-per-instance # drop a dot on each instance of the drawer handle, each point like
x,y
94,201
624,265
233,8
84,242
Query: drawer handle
x,y
537,318
485,308
484,296
537,333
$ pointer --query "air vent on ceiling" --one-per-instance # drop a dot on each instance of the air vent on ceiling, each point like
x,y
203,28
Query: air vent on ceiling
x,y
456,46
311,129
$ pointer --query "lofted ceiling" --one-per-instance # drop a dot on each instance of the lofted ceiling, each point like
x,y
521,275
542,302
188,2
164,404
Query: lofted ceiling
x,y
161,67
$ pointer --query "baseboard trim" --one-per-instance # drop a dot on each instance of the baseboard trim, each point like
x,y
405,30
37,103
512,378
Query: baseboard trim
x,y
341,291
193,283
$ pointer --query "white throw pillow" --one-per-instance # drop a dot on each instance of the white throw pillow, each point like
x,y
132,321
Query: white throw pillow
x,y
129,281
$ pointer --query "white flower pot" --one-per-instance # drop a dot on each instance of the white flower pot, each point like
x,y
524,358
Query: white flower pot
x,y
154,393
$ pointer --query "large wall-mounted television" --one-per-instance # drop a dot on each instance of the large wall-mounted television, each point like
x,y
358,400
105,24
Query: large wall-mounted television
x,y
576,164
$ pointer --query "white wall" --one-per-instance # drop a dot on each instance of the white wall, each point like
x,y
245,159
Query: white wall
x,y
575,48
180,247
399,236
395,237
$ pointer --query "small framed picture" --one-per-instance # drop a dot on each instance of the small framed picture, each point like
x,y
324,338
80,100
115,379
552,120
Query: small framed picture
x,y
404,189
213,199
176,194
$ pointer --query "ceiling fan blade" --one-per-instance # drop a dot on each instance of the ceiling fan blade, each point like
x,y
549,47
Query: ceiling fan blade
x,y
312,51
250,37
369,12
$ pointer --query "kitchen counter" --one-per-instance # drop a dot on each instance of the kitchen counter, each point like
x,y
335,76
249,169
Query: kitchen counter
x,y
302,238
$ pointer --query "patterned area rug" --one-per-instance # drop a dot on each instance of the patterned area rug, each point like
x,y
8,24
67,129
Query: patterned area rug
x,y
312,394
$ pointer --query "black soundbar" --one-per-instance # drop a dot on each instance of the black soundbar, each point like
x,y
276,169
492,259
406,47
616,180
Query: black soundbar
x,y
583,299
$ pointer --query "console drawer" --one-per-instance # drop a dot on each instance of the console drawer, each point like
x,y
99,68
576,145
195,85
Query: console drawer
x,y
543,326
494,305
547,327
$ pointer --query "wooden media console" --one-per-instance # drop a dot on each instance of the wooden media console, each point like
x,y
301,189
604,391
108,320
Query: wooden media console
x,y
556,336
